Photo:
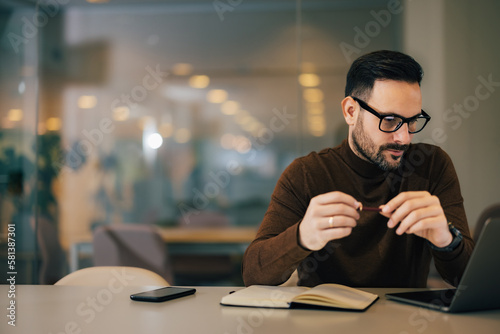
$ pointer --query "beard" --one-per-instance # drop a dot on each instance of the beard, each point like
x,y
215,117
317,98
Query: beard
x,y
368,150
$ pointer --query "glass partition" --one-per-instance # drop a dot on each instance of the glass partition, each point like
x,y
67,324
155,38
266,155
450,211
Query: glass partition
x,y
165,113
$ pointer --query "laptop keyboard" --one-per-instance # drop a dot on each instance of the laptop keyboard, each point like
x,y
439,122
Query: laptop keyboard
x,y
437,297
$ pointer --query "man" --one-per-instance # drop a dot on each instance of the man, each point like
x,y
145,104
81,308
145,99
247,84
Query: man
x,y
316,223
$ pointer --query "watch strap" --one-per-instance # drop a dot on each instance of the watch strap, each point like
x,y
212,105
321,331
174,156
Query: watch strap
x,y
457,239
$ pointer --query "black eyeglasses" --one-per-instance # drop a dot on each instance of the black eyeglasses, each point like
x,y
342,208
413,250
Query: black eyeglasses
x,y
392,123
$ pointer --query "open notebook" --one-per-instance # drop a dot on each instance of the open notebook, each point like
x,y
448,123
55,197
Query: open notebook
x,y
479,288
325,296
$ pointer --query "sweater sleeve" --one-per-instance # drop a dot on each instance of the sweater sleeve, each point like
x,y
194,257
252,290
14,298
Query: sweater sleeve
x,y
451,265
275,253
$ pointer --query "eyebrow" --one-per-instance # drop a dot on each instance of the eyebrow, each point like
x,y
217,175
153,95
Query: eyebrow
x,y
397,115
384,114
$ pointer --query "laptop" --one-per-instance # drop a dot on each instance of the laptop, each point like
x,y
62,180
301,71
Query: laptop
x,y
479,288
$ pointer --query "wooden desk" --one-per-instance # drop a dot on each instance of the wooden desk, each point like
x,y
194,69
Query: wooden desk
x,y
208,235
66,309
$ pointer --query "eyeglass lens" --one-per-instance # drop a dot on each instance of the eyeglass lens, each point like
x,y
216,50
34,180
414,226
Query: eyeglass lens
x,y
392,123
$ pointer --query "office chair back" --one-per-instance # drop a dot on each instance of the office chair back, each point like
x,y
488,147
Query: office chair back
x,y
132,245
113,276
492,211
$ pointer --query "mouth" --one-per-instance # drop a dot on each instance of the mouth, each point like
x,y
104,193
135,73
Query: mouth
x,y
396,153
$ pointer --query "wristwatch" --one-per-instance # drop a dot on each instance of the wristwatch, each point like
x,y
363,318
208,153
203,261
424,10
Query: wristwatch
x,y
457,239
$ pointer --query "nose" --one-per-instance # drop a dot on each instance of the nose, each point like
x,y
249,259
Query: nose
x,y
402,135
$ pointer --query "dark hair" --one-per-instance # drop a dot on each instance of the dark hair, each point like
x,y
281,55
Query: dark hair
x,y
380,65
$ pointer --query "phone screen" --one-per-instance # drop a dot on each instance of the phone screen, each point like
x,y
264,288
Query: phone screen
x,y
162,294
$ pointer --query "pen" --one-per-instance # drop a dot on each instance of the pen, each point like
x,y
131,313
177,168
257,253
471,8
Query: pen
x,y
368,208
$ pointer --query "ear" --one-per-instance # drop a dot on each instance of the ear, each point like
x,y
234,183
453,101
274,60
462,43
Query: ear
x,y
350,109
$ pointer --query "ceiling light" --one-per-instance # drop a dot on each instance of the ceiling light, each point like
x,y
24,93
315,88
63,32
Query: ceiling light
x,y
199,81
309,79
216,96
182,69
87,101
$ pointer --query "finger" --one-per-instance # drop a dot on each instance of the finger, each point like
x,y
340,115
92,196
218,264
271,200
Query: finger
x,y
334,222
415,216
428,229
337,197
410,206
342,209
423,225
336,233
401,198
385,214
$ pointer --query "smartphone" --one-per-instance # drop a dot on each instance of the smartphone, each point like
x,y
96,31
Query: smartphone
x,y
162,294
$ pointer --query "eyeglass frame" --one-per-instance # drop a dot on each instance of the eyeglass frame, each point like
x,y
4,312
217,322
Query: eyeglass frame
x,y
372,111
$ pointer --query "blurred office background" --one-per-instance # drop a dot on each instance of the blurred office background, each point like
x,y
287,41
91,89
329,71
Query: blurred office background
x,y
163,112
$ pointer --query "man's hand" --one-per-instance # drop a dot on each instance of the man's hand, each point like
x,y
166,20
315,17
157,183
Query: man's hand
x,y
419,213
329,216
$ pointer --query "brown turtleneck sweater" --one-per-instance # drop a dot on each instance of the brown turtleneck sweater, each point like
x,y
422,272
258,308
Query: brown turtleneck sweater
x,y
373,255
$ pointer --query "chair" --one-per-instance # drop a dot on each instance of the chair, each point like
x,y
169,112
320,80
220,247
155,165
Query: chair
x,y
105,276
492,211
132,245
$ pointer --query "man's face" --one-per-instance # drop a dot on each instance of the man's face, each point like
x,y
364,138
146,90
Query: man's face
x,y
381,148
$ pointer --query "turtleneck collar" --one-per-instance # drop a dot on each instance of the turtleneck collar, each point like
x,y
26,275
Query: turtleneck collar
x,y
360,166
